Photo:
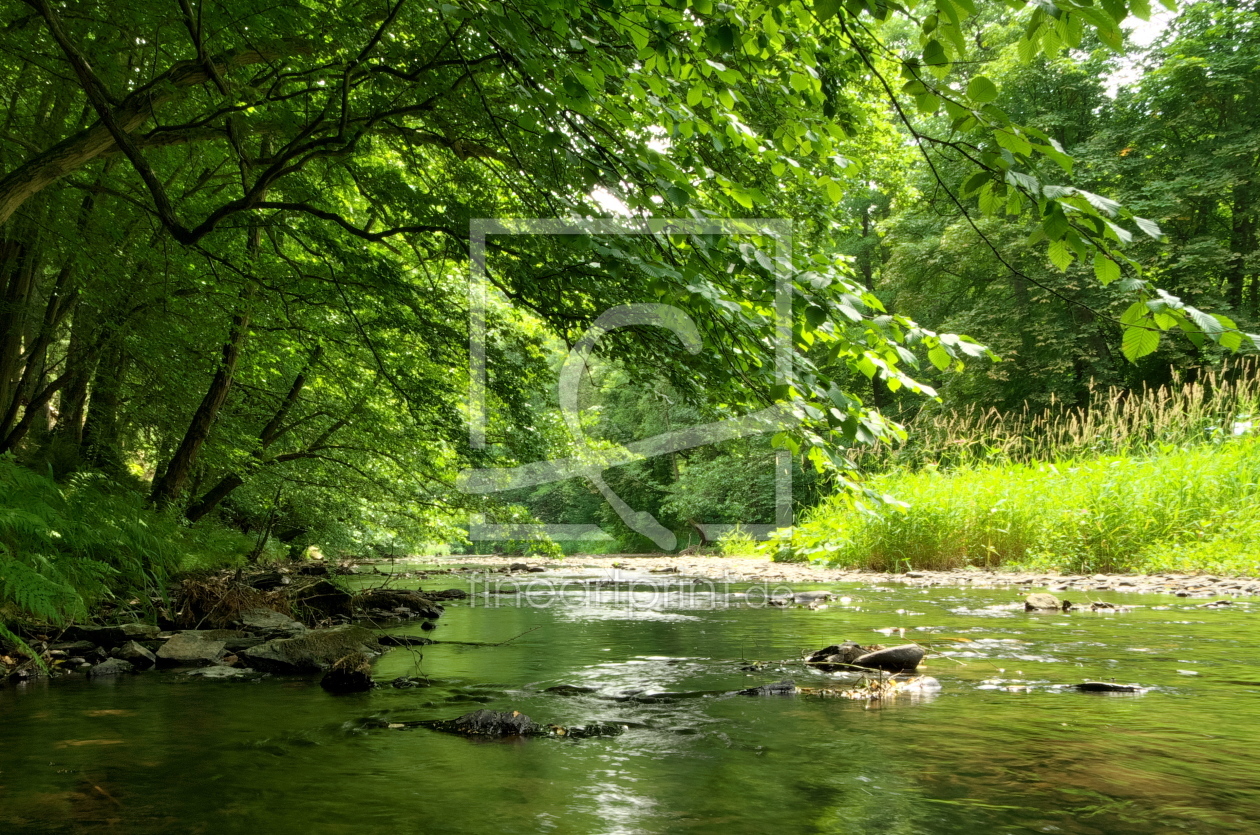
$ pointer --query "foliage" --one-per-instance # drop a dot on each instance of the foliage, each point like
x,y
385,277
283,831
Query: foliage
x,y
1163,482
64,548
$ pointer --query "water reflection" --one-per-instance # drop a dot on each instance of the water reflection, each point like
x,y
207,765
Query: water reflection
x,y
1005,746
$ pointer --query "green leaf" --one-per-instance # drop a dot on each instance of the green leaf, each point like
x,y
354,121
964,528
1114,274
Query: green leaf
x,y
974,183
827,9
934,53
981,89
940,357
1060,254
1105,269
1135,313
1139,341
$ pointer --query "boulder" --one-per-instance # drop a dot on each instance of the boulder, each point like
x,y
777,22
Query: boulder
x,y
1042,602
351,674
836,657
392,600
188,649
136,655
111,667
315,651
269,623
900,659
234,640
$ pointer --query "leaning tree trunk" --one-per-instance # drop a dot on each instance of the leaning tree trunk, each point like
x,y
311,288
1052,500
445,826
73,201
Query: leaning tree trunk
x,y
174,480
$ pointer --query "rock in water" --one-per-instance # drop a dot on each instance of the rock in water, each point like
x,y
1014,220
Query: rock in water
x,y
188,649
1042,602
135,654
1108,687
490,723
112,667
836,657
787,687
316,651
351,674
901,659
225,674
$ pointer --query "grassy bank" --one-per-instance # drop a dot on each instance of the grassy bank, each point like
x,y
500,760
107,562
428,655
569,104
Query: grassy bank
x,y
1165,481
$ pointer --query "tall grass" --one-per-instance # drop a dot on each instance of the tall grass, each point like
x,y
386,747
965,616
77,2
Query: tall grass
x,y
1215,405
1167,479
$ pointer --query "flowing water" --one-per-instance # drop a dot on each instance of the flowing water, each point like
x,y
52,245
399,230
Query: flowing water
x,y
1003,747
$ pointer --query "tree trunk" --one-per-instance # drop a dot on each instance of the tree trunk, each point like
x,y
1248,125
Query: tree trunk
x,y
170,487
100,427
270,433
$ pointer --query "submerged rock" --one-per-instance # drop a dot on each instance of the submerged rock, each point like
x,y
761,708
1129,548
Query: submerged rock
x,y
403,641
407,682
315,651
112,667
787,687
570,690
189,649
225,673
351,674
490,723
586,731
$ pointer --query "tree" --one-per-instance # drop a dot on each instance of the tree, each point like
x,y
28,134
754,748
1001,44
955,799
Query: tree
x,y
234,237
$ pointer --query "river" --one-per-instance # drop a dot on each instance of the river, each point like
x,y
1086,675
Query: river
x,y
1003,747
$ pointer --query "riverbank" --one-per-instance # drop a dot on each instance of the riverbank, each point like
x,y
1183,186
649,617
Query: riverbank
x,y
738,569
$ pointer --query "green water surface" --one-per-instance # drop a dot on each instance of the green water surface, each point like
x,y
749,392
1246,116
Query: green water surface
x,y
1002,748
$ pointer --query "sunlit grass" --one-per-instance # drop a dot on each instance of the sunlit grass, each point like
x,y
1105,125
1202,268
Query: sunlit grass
x,y
1165,482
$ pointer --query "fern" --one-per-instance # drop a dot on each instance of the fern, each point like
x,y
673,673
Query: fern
x,y
64,548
